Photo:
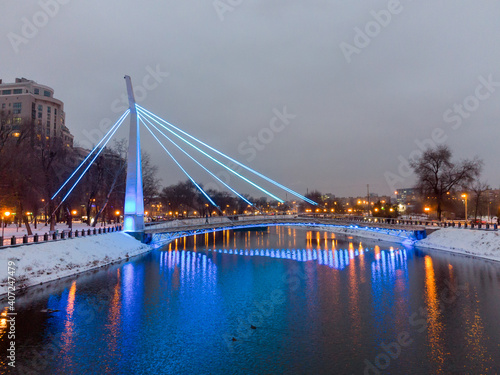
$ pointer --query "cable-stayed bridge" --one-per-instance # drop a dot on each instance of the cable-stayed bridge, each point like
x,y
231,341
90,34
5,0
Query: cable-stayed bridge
x,y
167,134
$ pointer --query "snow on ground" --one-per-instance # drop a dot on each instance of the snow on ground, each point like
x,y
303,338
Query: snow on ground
x,y
49,261
480,243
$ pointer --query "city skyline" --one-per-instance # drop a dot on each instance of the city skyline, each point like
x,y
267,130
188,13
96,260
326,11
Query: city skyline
x,y
290,92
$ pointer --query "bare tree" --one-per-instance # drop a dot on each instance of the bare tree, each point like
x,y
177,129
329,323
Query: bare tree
x,y
478,188
150,182
114,174
438,175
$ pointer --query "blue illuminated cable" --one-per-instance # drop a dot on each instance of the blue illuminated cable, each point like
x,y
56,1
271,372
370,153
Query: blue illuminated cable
x,y
197,162
217,161
229,158
91,152
90,164
180,166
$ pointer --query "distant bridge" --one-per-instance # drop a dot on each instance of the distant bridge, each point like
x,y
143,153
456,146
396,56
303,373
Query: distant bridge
x,y
166,232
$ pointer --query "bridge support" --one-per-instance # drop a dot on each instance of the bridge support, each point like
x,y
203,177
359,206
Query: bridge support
x,y
134,200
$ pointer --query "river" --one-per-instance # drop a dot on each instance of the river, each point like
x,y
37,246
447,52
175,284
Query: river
x,y
285,300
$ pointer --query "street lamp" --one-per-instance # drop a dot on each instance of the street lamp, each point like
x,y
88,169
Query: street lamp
x,y
6,214
117,213
465,200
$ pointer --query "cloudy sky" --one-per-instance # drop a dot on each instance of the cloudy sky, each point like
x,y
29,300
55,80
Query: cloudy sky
x,y
328,95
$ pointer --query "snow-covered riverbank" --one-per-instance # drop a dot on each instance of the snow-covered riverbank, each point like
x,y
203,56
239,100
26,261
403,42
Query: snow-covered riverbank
x,y
479,243
36,264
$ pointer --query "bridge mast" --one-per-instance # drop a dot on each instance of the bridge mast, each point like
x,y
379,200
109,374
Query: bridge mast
x,y
134,200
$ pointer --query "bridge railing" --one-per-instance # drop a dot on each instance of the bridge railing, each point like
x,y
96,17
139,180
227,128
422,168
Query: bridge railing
x,y
211,220
56,236
419,222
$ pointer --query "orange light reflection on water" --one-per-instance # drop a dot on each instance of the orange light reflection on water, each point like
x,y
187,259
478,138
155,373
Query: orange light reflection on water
x,y
435,327
69,327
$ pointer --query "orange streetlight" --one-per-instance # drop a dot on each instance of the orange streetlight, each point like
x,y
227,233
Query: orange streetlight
x,y
5,214
464,196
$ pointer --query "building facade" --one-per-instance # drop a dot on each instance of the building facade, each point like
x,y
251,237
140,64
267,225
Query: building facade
x,y
28,102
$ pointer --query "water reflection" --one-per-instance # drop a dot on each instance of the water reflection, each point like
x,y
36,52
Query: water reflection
x,y
186,266
434,315
170,311
69,327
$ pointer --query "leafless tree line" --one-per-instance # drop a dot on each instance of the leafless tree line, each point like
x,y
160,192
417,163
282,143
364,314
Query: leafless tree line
x,y
33,167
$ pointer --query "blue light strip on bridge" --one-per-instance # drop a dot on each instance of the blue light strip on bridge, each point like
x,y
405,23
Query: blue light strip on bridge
x,y
145,111
118,123
176,162
90,164
215,160
197,162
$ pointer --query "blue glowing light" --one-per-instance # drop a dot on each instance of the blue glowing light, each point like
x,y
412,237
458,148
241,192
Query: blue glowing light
x,y
91,152
128,224
145,111
92,161
176,162
197,162
215,160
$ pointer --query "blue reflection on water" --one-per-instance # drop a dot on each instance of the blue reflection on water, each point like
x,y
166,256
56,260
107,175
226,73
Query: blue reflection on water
x,y
176,310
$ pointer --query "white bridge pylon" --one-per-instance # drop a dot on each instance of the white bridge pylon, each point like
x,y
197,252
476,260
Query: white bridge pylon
x,y
134,197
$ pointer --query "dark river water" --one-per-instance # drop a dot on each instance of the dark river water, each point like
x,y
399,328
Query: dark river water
x,y
281,301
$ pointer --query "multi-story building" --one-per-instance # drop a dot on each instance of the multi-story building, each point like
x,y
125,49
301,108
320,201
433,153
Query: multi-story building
x,y
406,196
27,102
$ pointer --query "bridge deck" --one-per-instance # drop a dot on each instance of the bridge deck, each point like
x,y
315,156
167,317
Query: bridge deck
x,y
153,229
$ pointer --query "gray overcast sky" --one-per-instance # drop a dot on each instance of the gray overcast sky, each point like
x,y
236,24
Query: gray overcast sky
x,y
360,103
